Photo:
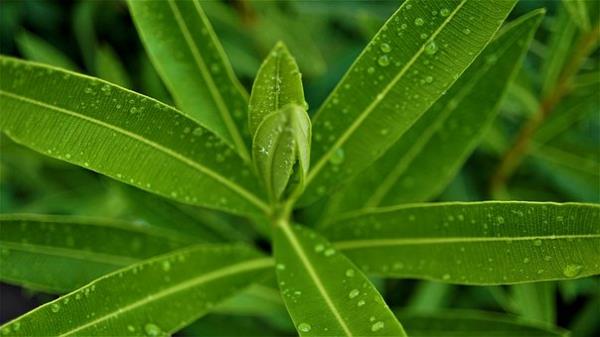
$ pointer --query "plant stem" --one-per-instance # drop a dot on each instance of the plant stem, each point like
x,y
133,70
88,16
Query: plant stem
x,y
513,156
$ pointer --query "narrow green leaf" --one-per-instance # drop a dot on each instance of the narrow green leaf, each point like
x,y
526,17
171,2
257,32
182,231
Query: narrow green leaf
x,y
127,136
459,323
85,32
38,250
559,48
579,13
388,87
154,298
420,165
277,84
535,301
324,292
36,49
282,142
110,68
189,58
474,243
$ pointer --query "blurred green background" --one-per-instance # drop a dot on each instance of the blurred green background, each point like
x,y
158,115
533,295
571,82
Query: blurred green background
x,y
98,38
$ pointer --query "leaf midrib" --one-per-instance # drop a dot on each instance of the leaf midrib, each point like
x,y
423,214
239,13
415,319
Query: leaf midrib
x,y
229,184
201,64
383,189
365,113
249,265
285,227
72,253
370,243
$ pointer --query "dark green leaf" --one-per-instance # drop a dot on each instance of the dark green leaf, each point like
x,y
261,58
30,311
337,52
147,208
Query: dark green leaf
x,y
324,292
127,136
154,298
473,243
188,56
388,87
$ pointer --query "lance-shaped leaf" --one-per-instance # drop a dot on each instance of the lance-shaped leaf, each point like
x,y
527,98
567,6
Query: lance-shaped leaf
x,y
421,163
154,298
36,49
579,13
325,294
41,252
459,323
127,136
281,146
190,59
474,243
416,56
277,84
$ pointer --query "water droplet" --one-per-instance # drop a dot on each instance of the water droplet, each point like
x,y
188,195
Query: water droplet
x,y
526,260
329,252
350,272
467,31
280,266
429,79
337,157
537,242
385,48
431,48
419,21
445,12
198,131
446,277
377,326
360,303
383,60
500,220
572,270
370,70
152,330
304,327
353,293
130,328
166,265
133,110
55,307
319,248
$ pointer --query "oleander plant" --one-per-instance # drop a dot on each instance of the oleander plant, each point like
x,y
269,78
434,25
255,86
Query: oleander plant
x,y
385,209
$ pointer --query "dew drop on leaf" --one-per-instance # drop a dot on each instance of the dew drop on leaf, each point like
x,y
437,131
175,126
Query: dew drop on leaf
x,y
444,12
337,157
166,265
353,293
385,48
55,308
152,330
350,273
377,326
431,48
280,266
467,31
383,60
304,327
537,242
329,252
360,303
419,21
572,270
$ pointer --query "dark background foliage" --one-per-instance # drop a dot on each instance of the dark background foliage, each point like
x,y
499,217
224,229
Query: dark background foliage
x,y
325,36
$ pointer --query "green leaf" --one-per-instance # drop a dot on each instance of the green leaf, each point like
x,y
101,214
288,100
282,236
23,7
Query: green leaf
x,y
36,49
579,13
535,301
559,48
110,68
154,298
420,165
388,87
189,58
127,136
282,142
473,243
277,84
459,323
324,292
38,251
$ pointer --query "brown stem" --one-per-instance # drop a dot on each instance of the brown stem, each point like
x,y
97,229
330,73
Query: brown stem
x,y
514,155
